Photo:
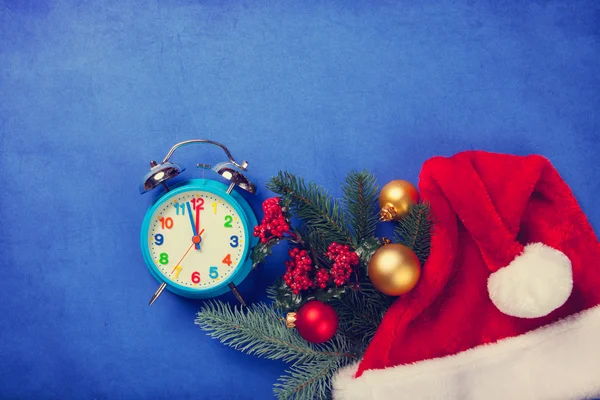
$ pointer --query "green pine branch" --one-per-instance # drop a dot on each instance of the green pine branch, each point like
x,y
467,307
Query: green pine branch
x,y
360,312
311,381
414,230
360,198
260,330
316,242
311,203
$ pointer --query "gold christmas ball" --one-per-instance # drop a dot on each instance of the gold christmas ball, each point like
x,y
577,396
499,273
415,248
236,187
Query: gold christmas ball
x,y
396,199
394,269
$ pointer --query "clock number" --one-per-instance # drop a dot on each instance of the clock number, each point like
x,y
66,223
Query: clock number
x,y
228,220
159,239
164,258
198,203
214,207
177,205
196,277
178,269
234,241
166,222
227,260
214,272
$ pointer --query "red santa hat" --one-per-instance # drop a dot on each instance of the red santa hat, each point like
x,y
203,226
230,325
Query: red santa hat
x,y
507,306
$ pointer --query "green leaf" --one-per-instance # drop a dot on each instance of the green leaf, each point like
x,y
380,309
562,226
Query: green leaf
x,y
261,251
327,294
283,297
366,249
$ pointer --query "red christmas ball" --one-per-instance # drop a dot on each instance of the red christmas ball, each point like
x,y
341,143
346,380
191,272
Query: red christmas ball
x,y
315,321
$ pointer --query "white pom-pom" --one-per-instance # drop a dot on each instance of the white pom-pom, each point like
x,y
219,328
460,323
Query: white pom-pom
x,y
534,284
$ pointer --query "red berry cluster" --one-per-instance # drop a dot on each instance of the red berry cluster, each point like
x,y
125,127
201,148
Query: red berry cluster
x,y
321,278
273,223
298,268
344,260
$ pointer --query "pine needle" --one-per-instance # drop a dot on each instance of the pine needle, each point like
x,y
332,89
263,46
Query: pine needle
x,y
415,229
307,382
312,380
360,312
360,198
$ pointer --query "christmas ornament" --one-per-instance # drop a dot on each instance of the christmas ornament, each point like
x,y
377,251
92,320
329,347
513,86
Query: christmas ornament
x,y
172,237
394,269
315,321
396,199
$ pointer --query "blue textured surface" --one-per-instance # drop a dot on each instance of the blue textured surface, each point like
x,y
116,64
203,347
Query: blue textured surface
x,y
89,93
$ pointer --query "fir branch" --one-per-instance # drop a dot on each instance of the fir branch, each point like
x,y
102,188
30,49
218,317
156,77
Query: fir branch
x,y
360,198
260,330
312,380
314,205
315,242
360,312
306,382
414,230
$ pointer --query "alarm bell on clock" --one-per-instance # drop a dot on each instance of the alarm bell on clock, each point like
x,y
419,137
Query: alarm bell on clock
x,y
160,173
197,237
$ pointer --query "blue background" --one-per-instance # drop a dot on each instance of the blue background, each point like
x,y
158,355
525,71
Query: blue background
x,y
90,92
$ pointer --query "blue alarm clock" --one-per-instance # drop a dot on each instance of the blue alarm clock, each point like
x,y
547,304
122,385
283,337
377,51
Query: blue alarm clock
x,y
197,237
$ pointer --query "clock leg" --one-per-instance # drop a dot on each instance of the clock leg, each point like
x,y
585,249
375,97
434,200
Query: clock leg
x,y
237,293
157,293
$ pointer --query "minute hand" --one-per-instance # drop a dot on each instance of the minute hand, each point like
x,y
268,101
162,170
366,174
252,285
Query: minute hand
x,y
189,209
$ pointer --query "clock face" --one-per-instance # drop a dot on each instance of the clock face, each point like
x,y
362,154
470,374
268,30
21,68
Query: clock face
x,y
196,239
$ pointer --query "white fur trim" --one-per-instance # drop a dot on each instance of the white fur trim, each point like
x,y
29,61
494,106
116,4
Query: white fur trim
x,y
534,284
557,361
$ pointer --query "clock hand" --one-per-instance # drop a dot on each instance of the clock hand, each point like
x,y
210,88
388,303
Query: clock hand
x,y
179,262
194,226
164,284
198,220
197,239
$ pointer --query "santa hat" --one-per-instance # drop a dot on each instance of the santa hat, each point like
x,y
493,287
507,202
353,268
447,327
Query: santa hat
x,y
507,306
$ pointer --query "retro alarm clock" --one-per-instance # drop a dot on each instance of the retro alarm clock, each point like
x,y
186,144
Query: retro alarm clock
x,y
197,236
